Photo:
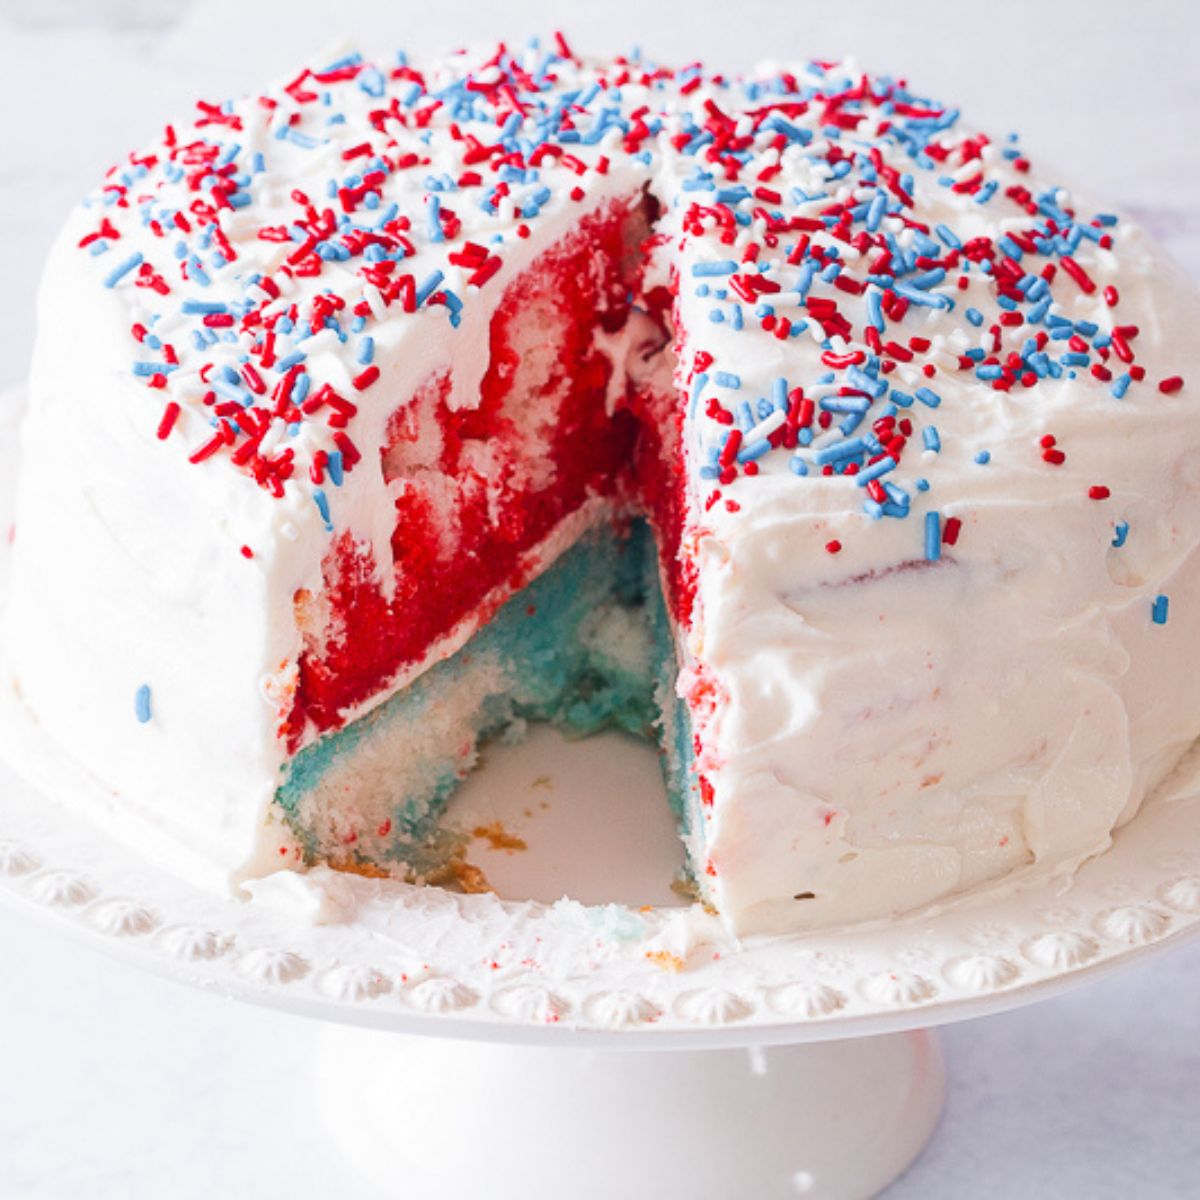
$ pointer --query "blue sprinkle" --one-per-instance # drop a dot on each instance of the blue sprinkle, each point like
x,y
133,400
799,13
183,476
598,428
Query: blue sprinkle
x,y
1121,385
122,269
1120,533
366,350
974,316
429,287
203,306
928,279
753,450
798,465
948,236
141,704
846,404
849,448
1159,612
876,212
433,219
983,457
874,471
875,309
928,396
725,379
724,267
931,438
322,503
933,536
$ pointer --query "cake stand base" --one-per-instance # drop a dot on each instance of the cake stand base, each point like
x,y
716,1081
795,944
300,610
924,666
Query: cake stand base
x,y
449,1120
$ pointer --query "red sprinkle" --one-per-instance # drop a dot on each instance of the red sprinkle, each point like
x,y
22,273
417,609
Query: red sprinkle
x,y
1171,385
1098,492
368,377
169,417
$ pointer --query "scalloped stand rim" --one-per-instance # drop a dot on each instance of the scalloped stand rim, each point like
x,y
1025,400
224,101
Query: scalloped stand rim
x,y
837,1120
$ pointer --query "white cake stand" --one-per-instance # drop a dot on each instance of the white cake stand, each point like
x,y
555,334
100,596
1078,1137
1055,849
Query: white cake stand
x,y
800,1066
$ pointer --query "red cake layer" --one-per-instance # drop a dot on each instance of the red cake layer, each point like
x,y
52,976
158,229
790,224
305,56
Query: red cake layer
x,y
480,487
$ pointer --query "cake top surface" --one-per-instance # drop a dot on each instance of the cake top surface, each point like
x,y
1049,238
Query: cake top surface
x,y
861,278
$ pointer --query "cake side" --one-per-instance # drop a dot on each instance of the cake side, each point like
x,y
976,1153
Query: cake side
x,y
942,489
215,584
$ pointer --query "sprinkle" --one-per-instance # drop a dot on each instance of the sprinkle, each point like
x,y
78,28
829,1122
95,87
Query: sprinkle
x,y
833,546
1171,385
933,536
848,448
364,379
1120,533
875,471
141,704
1158,613
169,417
983,457
322,503
1098,492
122,269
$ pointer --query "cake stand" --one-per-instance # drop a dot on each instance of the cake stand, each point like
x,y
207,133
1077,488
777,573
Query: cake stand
x,y
615,1044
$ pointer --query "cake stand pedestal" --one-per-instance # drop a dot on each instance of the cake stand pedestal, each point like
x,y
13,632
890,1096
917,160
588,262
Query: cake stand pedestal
x,y
447,1120
481,1046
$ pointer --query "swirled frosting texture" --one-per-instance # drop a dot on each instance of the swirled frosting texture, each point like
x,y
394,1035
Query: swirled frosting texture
x,y
940,531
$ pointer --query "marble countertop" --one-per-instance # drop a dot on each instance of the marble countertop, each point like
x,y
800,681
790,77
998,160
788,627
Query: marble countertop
x,y
114,1084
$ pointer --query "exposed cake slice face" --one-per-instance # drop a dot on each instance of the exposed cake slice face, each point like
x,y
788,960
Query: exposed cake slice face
x,y
586,646
781,419
477,489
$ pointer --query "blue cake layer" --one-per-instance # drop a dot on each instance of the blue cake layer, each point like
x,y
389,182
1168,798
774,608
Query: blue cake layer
x,y
587,646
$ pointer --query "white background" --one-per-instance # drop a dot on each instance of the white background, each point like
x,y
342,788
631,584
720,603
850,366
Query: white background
x,y
117,1085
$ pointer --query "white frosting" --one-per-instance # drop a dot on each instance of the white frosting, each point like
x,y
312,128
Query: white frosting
x,y
888,731
955,721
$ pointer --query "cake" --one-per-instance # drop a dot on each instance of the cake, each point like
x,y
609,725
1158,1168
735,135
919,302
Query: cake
x,y
782,419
